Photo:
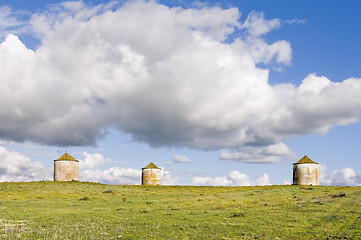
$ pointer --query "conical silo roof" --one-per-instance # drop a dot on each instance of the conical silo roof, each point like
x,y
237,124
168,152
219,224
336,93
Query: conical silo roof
x,y
151,165
66,156
305,159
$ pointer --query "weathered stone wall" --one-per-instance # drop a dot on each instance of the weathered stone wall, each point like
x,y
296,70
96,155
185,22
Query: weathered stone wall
x,y
305,174
66,170
151,176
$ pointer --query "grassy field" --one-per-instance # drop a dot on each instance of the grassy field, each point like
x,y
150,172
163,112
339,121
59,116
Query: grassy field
x,y
79,210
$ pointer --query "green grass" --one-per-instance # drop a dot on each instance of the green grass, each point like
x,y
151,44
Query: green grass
x,y
79,210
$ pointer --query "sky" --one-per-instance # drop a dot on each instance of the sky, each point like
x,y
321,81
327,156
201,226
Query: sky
x,y
223,93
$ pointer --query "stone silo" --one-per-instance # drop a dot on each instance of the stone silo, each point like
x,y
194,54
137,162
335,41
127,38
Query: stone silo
x,y
305,172
151,175
66,168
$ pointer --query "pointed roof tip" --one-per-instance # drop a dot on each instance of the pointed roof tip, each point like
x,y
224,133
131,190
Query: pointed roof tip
x,y
305,159
151,165
67,156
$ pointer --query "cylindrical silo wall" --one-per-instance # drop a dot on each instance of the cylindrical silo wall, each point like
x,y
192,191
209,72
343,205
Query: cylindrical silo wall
x,y
66,170
305,174
151,176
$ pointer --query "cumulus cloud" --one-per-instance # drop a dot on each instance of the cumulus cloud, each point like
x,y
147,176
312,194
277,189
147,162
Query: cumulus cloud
x,y
17,167
324,179
259,154
89,171
123,176
339,177
256,25
92,160
287,182
181,82
114,175
207,181
263,180
345,176
239,179
235,178
167,178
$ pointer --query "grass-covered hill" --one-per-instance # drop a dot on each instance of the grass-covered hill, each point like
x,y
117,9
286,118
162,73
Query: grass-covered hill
x,y
80,210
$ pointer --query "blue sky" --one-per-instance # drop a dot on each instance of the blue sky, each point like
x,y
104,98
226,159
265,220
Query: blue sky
x,y
215,93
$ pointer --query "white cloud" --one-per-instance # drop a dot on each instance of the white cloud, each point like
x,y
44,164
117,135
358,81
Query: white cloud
x,y
234,178
168,163
296,21
317,105
324,179
262,52
257,25
178,159
339,177
112,175
92,160
11,21
181,159
167,178
17,167
345,176
207,181
177,83
123,176
287,182
239,179
200,181
259,154
263,180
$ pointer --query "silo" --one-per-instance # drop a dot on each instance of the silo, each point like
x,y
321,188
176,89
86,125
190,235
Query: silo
x,y
305,172
66,168
151,175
